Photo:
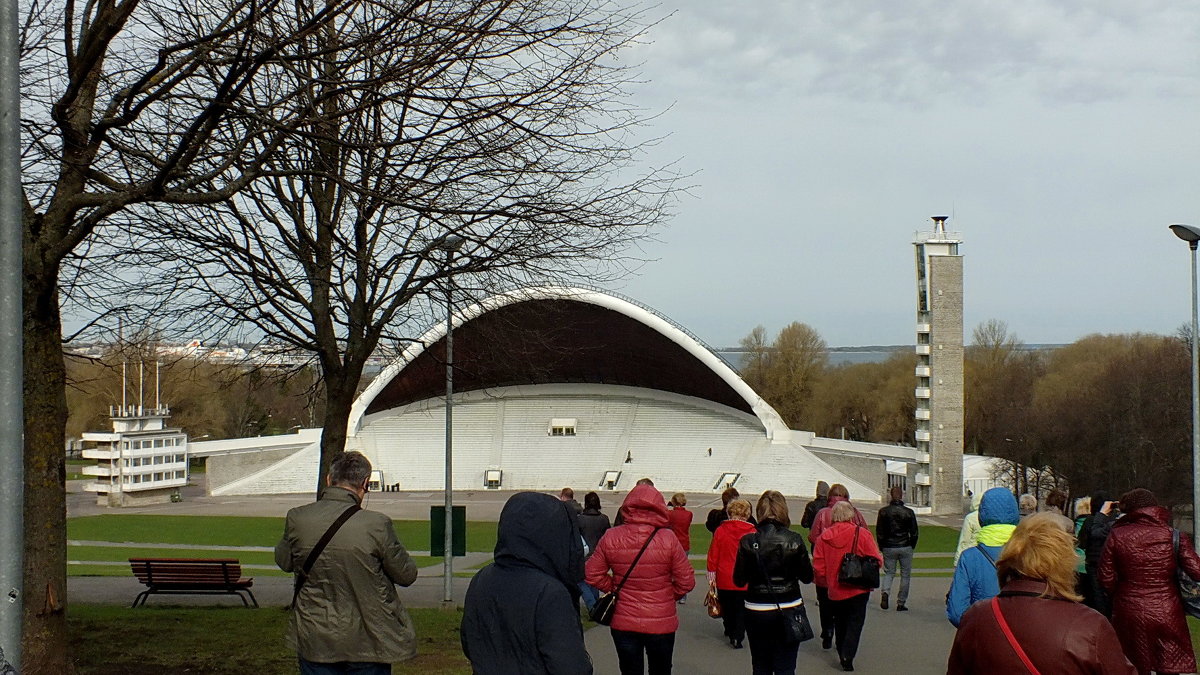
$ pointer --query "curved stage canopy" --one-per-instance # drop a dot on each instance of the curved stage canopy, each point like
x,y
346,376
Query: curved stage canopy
x,y
552,335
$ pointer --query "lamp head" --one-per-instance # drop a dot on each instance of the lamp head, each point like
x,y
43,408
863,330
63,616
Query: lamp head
x,y
1188,233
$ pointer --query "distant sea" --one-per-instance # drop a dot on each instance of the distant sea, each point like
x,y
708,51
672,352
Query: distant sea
x,y
837,356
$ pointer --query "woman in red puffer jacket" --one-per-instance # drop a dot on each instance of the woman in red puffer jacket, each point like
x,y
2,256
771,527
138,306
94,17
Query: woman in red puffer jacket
x,y
1137,569
644,624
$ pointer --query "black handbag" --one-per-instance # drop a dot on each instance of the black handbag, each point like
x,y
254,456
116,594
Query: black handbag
x,y
859,570
606,606
796,626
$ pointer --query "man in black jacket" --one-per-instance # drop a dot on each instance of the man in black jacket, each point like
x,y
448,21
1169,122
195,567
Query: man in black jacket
x,y
521,613
896,532
812,508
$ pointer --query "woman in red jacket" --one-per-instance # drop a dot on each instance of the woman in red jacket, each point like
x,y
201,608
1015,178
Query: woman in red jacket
x,y
644,624
681,523
848,604
1138,570
722,554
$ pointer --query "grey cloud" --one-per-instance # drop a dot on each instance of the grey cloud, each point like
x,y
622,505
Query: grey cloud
x,y
914,50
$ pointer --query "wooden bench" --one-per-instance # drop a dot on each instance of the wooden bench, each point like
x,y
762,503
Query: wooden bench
x,y
192,576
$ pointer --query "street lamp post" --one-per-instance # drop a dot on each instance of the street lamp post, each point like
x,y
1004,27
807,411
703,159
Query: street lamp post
x,y
449,243
1192,236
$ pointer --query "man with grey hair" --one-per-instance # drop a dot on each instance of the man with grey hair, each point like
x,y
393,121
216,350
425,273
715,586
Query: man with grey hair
x,y
346,614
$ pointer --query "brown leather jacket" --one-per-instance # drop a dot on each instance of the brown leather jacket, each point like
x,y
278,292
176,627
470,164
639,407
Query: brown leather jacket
x,y
1059,636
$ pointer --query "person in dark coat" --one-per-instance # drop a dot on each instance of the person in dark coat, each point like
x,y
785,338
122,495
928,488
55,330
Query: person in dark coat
x,y
1138,569
718,516
521,613
1038,602
896,532
811,508
592,525
1091,537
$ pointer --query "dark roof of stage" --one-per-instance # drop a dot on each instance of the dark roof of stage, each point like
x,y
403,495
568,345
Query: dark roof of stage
x,y
545,341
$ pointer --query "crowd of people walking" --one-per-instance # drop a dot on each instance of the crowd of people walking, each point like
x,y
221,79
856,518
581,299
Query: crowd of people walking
x,y
1033,590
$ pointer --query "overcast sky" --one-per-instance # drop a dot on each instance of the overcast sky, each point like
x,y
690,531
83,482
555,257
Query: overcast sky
x,y
1062,138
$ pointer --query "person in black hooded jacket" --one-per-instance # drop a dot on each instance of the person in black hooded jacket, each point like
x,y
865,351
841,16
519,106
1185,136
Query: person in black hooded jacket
x,y
521,614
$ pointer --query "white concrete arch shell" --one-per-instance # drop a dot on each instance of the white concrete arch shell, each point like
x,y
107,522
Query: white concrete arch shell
x,y
575,422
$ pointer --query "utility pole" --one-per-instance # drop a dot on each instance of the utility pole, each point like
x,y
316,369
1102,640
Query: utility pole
x,y
12,475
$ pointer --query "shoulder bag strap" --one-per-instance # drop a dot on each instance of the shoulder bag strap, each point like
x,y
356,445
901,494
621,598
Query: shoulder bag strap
x,y
635,560
985,553
854,545
315,553
1012,640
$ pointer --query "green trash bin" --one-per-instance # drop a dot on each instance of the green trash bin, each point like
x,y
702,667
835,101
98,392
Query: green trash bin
x,y
437,531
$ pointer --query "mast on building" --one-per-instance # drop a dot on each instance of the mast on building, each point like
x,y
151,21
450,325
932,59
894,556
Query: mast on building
x,y
141,461
938,484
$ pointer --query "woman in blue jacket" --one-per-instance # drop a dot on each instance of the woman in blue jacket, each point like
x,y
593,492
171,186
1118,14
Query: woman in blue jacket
x,y
975,575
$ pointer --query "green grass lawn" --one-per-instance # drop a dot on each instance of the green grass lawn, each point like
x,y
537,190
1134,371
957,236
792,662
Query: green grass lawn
x,y
226,641
238,531
265,531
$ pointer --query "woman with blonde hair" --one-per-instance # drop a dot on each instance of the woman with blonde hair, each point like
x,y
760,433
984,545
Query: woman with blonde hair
x,y
1036,623
722,554
772,562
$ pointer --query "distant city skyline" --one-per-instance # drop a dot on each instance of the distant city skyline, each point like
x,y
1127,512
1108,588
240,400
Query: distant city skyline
x,y
1060,138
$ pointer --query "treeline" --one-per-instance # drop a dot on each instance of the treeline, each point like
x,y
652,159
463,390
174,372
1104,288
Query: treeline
x,y
1107,411
207,400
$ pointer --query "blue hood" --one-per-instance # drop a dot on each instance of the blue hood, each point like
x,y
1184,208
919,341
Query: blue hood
x,y
998,507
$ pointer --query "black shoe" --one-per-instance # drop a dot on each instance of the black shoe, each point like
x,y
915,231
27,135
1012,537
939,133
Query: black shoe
x,y
733,643
737,645
847,665
901,608
883,604
826,642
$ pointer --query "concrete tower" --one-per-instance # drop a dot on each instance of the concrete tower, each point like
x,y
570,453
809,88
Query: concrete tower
x,y
939,484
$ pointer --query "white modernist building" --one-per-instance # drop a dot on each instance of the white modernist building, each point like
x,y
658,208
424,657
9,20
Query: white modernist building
x,y
140,461
564,386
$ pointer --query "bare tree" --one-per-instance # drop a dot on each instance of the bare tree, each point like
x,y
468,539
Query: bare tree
x,y
135,102
481,142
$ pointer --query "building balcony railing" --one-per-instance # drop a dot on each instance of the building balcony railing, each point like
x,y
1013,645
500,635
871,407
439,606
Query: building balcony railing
x,y
924,371
922,392
923,328
921,413
923,349
922,435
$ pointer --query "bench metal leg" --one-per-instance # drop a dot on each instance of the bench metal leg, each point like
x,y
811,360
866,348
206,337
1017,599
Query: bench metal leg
x,y
248,592
141,598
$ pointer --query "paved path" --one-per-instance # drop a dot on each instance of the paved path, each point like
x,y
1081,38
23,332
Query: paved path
x,y
913,642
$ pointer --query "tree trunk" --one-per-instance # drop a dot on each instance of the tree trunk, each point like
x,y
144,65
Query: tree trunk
x,y
339,395
44,640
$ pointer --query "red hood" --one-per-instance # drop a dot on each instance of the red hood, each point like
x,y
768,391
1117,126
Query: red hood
x,y
644,505
839,535
834,500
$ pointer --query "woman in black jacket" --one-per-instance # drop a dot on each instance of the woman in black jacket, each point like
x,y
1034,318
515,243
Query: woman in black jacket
x,y
521,613
772,563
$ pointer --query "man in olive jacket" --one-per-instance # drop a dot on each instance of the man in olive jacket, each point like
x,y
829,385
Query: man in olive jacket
x,y
347,616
